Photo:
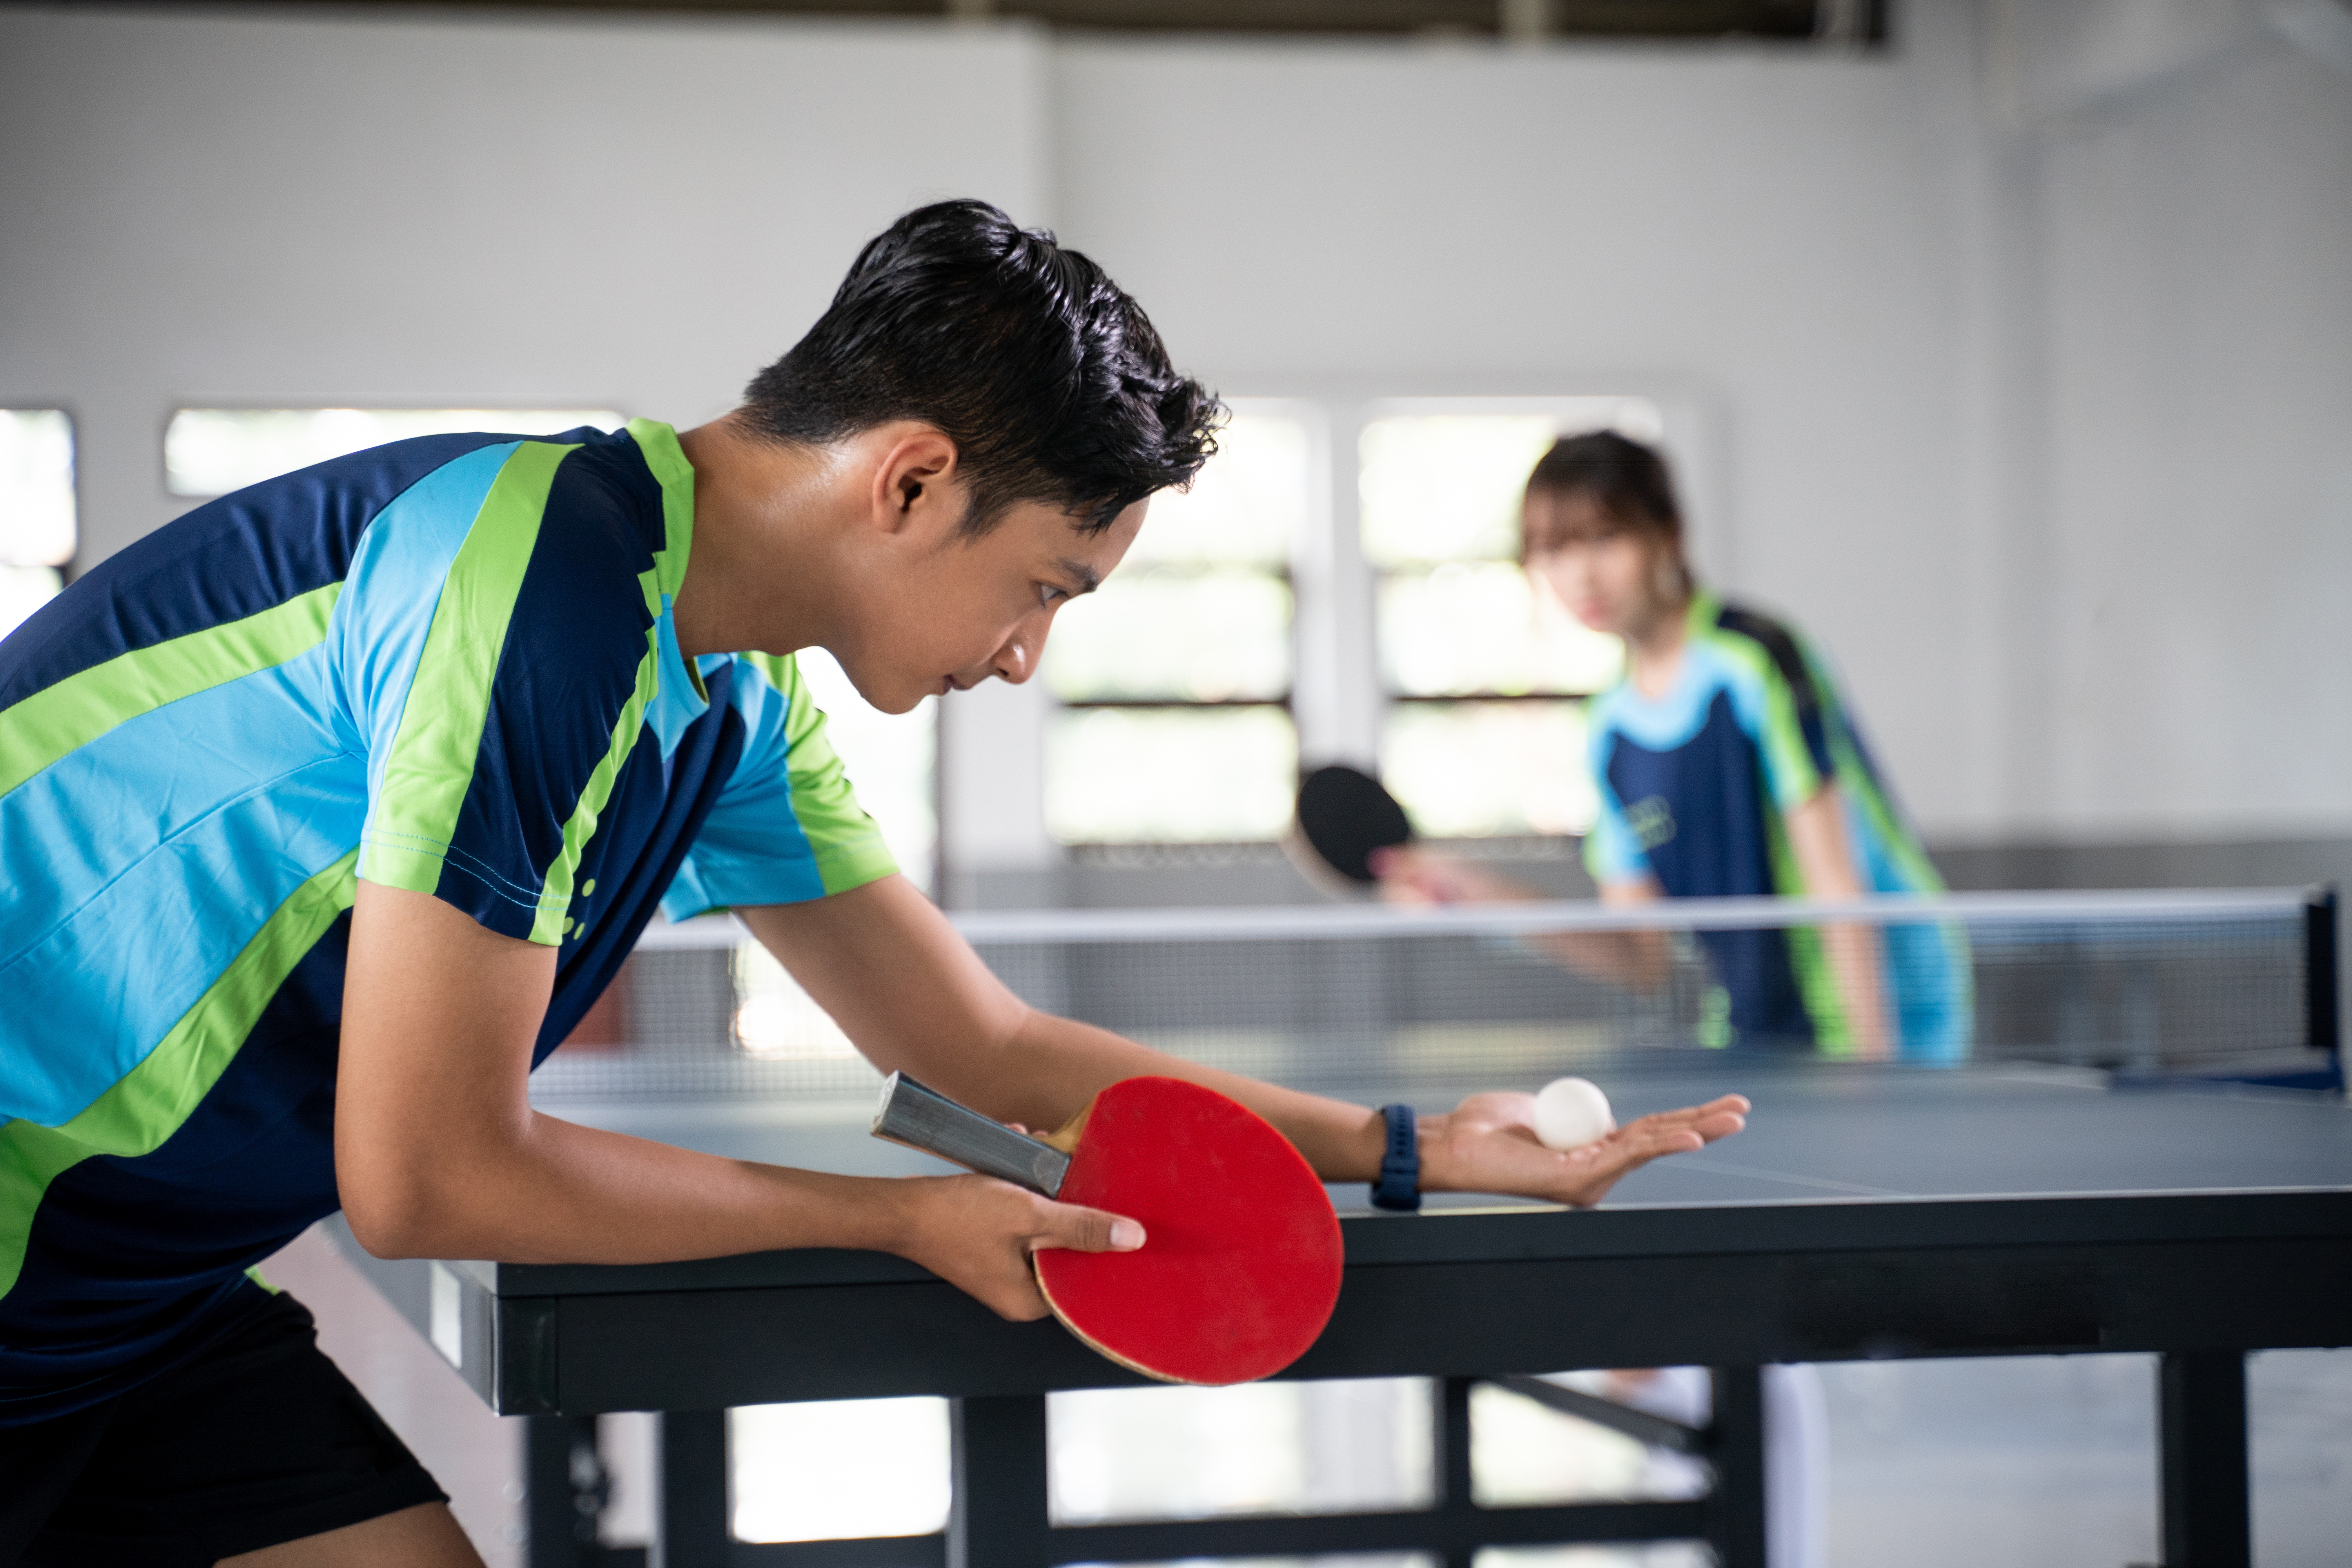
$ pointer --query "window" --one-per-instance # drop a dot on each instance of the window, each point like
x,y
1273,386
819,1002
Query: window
x,y
212,451
38,529
1181,709
1175,677
891,761
1484,734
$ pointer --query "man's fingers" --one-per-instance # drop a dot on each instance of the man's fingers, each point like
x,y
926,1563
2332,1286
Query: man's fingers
x,y
1086,1230
1735,1106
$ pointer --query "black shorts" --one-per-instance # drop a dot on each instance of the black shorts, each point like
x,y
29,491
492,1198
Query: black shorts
x,y
257,1439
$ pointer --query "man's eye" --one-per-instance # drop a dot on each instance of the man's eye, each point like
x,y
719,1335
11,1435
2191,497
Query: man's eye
x,y
1048,593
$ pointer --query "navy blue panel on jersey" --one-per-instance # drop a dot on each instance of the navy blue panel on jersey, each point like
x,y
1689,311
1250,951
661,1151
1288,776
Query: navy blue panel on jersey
x,y
573,645
227,560
1700,808
128,1258
649,829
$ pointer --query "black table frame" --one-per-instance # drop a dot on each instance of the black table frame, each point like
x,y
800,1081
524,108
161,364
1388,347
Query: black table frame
x,y
2197,1278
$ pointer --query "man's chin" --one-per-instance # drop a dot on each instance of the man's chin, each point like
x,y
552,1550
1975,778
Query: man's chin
x,y
899,696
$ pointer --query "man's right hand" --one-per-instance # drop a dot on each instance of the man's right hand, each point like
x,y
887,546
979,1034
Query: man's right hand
x,y
977,1232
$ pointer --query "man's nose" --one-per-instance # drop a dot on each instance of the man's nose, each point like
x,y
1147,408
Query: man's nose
x,y
1017,661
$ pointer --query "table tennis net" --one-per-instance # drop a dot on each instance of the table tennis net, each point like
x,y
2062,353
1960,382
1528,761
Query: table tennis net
x,y
1356,997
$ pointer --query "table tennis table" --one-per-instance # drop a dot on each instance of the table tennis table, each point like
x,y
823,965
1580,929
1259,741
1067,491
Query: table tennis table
x,y
1868,1212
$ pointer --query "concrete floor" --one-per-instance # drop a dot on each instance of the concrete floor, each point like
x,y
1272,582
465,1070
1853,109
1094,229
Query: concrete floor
x,y
1950,1463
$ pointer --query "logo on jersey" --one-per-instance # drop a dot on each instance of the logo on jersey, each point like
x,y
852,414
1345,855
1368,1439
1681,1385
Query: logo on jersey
x,y
1651,820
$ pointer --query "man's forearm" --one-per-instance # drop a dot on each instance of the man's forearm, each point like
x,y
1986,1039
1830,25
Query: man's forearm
x,y
1043,1072
555,1192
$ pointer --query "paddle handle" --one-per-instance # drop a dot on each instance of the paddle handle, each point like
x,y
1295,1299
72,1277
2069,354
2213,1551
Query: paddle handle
x,y
925,1119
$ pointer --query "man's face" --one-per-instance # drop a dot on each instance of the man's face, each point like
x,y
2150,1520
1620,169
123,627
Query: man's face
x,y
953,611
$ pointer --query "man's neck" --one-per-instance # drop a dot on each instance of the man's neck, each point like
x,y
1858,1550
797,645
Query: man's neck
x,y
755,576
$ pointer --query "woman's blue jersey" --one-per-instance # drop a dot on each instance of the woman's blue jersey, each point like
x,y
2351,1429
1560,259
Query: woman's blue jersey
x,y
1696,786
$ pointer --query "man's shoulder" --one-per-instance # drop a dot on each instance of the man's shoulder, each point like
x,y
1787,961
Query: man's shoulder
x,y
225,561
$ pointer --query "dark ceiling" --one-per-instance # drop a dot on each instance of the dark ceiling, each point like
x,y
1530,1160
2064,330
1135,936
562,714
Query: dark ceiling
x,y
1843,21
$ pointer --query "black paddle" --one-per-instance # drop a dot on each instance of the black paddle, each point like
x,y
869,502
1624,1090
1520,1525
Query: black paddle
x,y
1344,815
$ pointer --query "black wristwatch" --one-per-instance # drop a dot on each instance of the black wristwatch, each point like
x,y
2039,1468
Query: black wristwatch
x,y
1399,1183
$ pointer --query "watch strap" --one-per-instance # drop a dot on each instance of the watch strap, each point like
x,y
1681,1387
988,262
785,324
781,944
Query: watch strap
x,y
1400,1184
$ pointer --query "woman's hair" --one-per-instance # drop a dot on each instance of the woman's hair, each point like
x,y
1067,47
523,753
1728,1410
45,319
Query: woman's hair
x,y
1626,480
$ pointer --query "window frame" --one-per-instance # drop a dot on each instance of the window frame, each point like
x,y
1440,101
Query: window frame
x,y
1311,414
1340,700
69,568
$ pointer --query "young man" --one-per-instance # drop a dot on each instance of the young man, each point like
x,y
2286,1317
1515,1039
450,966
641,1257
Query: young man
x,y
328,810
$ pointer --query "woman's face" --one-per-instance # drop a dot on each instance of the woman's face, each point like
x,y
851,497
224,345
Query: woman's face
x,y
1613,578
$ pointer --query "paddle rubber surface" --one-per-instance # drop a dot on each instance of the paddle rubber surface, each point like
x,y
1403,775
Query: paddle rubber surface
x,y
1240,1266
1344,815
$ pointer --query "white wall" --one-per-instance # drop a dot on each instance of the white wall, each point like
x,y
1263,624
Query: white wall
x,y
2199,478
2026,340
305,209
1784,233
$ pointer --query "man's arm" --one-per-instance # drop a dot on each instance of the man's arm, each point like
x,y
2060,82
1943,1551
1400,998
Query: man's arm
x,y
914,996
1817,835
438,1152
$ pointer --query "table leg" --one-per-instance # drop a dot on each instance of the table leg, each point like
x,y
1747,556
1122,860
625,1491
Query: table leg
x,y
690,1528
2202,1407
564,1489
1736,1447
997,1518
1450,1447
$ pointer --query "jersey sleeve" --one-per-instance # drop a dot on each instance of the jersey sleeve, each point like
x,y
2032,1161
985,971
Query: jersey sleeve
x,y
1613,851
1781,704
787,827
496,654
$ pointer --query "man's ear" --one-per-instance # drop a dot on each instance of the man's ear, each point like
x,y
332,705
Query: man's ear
x,y
917,483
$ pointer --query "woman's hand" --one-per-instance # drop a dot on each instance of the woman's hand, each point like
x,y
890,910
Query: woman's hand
x,y
1418,877
1489,1144
977,1232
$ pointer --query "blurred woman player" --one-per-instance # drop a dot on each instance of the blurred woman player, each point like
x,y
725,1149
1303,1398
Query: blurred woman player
x,y
1727,763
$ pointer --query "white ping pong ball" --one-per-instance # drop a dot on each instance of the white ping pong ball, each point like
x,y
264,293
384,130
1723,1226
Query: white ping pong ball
x,y
1571,1113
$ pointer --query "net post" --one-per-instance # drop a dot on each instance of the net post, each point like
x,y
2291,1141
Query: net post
x,y
2321,979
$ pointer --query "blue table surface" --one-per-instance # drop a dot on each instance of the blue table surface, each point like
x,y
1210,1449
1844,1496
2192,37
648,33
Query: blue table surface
x,y
1815,1133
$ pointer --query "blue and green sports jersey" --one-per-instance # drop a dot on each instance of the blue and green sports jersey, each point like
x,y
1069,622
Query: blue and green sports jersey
x,y
1694,787
446,665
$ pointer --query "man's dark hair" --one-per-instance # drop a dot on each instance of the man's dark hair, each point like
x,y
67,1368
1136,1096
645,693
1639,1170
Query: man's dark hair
x,y
1049,379
1627,479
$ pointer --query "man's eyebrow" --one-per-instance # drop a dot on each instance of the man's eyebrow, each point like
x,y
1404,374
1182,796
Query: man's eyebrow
x,y
1087,576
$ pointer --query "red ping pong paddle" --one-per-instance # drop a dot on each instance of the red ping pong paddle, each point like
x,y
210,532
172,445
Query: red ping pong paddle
x,y
1345,815
1240,1267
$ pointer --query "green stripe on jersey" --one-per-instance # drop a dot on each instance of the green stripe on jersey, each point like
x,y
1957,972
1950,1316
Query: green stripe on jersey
x,y
57,719
150,1101
547,926
849,849
431,763
657,443
667,461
